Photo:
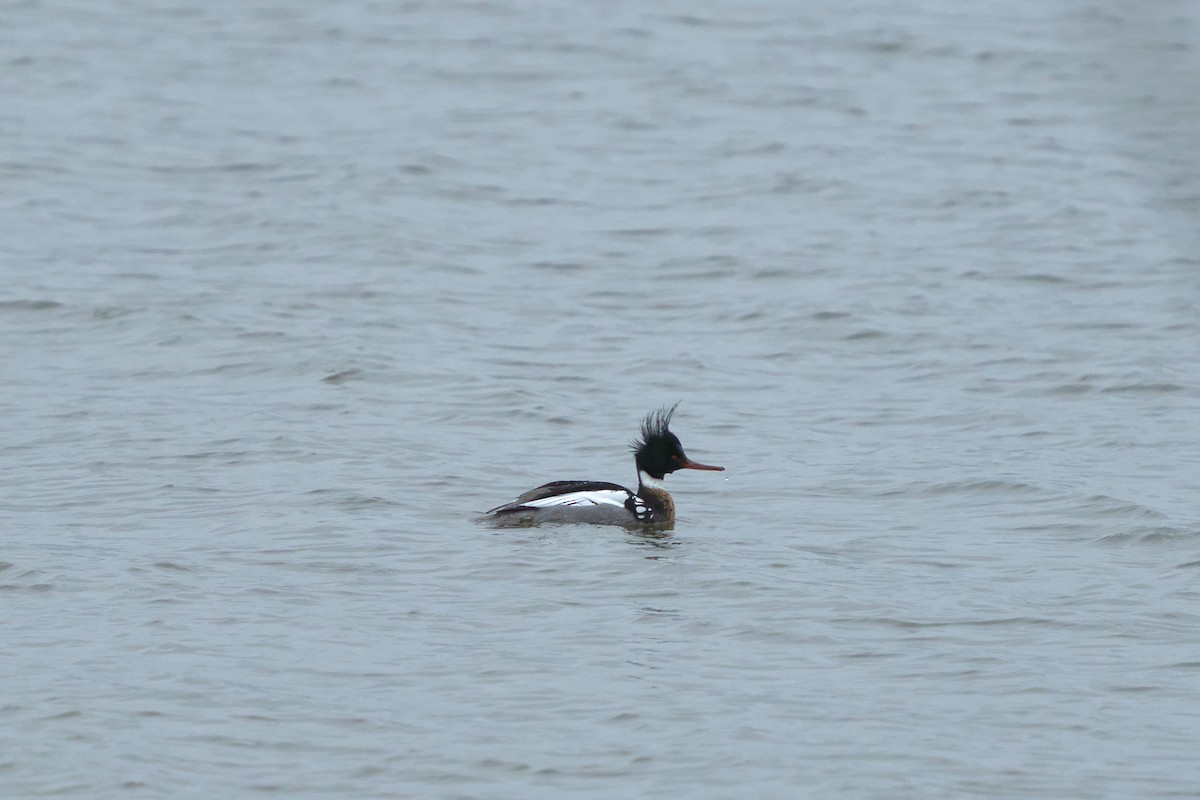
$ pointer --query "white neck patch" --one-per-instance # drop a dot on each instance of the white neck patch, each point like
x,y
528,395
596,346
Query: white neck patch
x,y
649,482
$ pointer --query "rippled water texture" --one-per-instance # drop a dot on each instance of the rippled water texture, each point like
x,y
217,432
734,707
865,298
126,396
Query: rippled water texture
x,y
292,293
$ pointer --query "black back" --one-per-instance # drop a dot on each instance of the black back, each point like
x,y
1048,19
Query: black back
x,y
566,487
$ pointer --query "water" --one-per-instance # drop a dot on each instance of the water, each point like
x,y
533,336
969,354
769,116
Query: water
x,y
291,295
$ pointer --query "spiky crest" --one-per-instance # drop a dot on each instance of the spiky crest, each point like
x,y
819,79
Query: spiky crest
x,y
654,426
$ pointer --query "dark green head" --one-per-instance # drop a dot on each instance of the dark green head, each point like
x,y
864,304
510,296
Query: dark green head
x,y
659,452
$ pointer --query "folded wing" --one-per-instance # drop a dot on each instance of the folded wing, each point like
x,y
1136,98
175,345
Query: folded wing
x,y
573,493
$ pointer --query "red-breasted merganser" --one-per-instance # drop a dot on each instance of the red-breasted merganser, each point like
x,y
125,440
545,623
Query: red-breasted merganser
x,y
656,454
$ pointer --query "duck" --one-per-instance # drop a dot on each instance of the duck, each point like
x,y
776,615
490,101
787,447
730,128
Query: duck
x,y
656,454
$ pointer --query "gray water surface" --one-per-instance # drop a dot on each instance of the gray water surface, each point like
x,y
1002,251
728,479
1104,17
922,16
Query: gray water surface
x,y
292,294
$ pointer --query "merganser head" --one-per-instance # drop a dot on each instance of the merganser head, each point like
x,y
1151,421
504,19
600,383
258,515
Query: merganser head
x,y
659,452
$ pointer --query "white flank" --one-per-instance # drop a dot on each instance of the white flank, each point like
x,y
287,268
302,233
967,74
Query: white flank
x,y
605,497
